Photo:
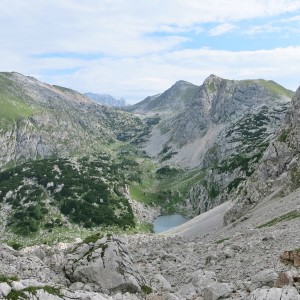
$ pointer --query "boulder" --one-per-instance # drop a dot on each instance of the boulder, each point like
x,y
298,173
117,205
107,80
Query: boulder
x,y
275,294
187,291
106,265
43,295
30,266
164,296
17,285
264,278
202,279
4,289
160,283
216,291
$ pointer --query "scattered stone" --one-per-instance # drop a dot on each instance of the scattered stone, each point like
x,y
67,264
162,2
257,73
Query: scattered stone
x,y
228,252
263,278
4,289
216,291
275,294
203,278
187,291
160,283
283,280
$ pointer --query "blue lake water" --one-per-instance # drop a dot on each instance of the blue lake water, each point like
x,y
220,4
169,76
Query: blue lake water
x,y
163,223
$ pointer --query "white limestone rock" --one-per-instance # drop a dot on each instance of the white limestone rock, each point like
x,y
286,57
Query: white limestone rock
x,y
216,291
202,279
17,285
275,294
263,278
4,289
188,291
160,283
105,264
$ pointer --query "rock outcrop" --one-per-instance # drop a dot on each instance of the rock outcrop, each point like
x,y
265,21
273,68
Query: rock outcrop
x,y
104,265
99,270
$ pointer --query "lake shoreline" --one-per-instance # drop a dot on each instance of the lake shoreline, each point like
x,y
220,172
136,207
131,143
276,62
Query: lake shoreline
x,y
165,222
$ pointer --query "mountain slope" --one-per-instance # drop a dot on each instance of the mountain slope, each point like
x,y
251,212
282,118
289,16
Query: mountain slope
x,y
222,127
174,99
193,116
235,155
252,132
40,120
278,172
51,193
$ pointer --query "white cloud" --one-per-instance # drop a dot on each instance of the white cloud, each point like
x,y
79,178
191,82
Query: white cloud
x,y
118,27
140,61
221,29
136,78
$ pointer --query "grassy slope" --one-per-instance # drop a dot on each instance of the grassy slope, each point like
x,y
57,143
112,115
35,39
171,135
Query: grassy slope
x,y
276,88
167,191
12,107
273,87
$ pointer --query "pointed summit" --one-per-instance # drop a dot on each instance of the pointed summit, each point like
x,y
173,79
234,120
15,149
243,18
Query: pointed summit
x,y
212,78
181,82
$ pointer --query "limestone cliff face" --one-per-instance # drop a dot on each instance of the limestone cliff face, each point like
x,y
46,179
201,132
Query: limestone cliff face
x,y
235,155
278,171
192,117
221,101
40,120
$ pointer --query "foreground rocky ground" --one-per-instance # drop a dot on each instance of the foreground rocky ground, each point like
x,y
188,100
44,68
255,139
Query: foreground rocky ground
x,y
239,261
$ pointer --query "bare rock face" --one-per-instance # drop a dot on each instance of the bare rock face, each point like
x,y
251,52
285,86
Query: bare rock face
x,y
26,266
216,291
275,294
277,172
105,265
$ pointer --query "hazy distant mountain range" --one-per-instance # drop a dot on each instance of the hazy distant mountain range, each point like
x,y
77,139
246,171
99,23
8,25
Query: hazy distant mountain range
x,y
107,100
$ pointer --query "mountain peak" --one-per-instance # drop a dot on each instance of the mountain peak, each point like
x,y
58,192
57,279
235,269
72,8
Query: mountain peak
x,y
212,78
182,82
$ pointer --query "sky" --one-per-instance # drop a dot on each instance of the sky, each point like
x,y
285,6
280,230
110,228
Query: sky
x,y
136,48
